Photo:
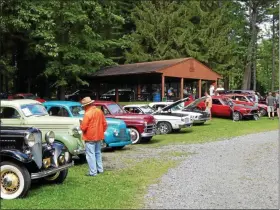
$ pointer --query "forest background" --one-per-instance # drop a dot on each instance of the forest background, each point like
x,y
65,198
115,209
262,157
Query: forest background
x,y
48,45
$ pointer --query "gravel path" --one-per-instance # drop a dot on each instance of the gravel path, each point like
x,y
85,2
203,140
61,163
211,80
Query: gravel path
x,y
241,173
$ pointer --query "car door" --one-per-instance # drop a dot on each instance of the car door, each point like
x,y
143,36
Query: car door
x,y
11,117
219,109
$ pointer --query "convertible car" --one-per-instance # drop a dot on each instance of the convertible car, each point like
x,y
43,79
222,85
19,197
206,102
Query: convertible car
x,y
225,107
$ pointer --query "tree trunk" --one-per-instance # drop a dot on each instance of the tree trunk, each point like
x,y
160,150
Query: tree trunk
x,y
62,93
248,70
255,65
273,54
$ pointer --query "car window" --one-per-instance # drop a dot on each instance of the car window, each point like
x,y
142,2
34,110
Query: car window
x,y
115,109
9,113
53,111
147,109
103,109
76,110
33,109
63,112
216,101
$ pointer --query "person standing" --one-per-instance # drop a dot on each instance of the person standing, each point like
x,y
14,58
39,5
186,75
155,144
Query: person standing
x,y
93,126
212,89
170,93
277,98
270,101
208,104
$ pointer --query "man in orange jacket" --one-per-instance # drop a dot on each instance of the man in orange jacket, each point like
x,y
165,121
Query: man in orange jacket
x,y
93,126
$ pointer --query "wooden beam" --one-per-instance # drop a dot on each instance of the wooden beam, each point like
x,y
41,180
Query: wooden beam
x,y
199,88
182,88
117,95
162,86
138,90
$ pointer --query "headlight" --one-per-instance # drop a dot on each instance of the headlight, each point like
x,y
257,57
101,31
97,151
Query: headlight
x,y
116,132
30,139
67,156
50,137
77,131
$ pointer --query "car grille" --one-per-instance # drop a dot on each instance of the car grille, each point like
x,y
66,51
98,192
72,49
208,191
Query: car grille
x,y
36,150
150,128
122,134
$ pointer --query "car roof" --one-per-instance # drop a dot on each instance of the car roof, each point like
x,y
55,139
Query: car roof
x,y
18,102
64,103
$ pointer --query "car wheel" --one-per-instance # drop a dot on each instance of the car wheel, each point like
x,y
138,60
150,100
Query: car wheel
x,y
58,177
15,180
236,116
164,127
263,112
135,136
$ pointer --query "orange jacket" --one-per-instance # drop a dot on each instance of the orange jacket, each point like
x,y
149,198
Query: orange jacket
x,y
94,124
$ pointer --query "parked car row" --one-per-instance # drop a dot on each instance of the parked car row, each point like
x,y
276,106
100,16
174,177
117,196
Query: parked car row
x,y
40,140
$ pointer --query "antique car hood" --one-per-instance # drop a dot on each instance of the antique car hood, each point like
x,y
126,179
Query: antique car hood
x,y
114,121
173,104
262,105
175,114
193,109
53,121
20,131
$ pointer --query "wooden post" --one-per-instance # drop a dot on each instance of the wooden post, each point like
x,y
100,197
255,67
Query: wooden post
x,y
138,90
182,88
199,88
117,94
162,86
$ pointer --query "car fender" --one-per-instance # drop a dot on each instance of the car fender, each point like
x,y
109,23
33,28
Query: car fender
x,y
17,155
70,142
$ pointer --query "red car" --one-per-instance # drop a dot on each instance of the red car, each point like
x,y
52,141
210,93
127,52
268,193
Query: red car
x,y
143,127
223,106
26,96
247,100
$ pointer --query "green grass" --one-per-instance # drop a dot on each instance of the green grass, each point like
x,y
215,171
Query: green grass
x,y
113,189
215,130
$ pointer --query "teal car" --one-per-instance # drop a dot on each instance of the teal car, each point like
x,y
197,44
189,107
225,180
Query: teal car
x,y
117,134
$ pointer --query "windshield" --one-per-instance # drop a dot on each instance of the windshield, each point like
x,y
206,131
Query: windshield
x,y
33,109
179,106
147,109
251,98
227,101
115,109
76,110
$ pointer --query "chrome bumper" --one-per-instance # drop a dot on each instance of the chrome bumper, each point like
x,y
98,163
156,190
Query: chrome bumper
x,y
50,171
79,151
148,134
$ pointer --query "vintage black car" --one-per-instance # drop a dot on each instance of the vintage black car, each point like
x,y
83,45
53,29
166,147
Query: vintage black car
x,y
24,158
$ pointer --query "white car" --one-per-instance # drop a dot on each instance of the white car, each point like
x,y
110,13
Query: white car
x,y
165,123
177,108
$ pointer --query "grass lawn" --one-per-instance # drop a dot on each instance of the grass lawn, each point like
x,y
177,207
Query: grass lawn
x,y
125,188
215,130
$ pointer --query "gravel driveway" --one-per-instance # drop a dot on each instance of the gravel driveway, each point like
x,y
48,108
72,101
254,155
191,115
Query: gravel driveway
x,y
240,173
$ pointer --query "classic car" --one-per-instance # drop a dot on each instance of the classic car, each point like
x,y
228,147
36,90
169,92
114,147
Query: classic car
x,y
223,106
176,109
26,96
247,100
165,123
27,112
124,95
24,157
116,136
142,127
79,94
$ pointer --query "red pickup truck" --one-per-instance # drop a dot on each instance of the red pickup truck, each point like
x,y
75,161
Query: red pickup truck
x,y
143,127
